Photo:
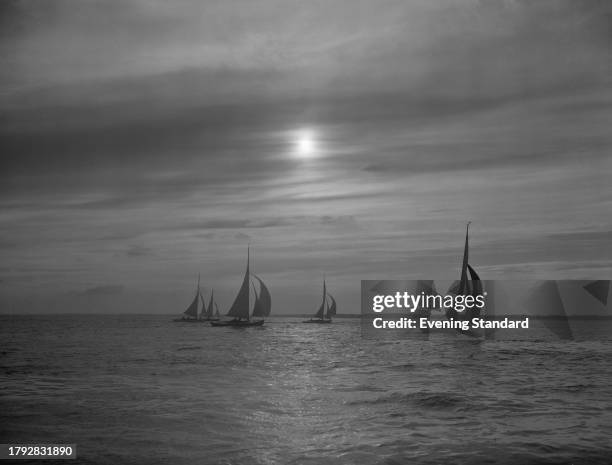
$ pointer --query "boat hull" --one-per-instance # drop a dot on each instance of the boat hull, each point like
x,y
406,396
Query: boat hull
x,y
317,321
237,323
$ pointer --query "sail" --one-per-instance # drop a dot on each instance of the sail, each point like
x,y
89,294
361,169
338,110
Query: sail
x,y
331,310
467,286
216,309
599,290
257,310
473,275
204,312
264,302
240,307
464,266
473,286
209,310
192,310
475,290
321,312
545,302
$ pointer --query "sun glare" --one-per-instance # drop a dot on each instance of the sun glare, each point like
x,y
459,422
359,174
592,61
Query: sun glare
x,y
305,144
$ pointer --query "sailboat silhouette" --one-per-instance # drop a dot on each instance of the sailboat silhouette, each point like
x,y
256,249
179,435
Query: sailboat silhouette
x,y
466,287
190,315
240,310
326,311
207,312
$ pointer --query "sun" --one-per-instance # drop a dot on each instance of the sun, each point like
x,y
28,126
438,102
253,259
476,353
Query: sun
x,y
305,144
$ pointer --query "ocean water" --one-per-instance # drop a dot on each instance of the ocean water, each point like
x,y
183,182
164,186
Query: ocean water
x,y
143,390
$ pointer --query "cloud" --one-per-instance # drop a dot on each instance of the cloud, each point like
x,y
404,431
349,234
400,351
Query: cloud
x,y
138,251
232,224
104,290
139,129
212,50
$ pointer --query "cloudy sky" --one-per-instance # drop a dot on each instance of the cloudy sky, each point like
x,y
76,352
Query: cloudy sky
x,y
144,141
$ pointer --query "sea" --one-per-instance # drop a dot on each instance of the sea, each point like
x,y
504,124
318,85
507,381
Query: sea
x,y
142,389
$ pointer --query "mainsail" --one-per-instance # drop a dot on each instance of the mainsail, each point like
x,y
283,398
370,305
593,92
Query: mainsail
x,y
240,307
192,310
321,312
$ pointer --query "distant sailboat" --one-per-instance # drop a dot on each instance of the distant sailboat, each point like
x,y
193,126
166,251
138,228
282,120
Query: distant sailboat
x,y
466,287
240,309
191,314
326,311
207,312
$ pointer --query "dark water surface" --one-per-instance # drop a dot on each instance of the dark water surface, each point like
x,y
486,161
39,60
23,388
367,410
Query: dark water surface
x,y
143,390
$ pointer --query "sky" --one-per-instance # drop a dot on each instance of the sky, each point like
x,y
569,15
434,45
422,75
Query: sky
x,y
144,142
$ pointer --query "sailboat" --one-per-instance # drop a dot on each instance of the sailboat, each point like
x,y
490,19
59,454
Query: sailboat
x,y
240,309
326,311
207,312
190,315
466,287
